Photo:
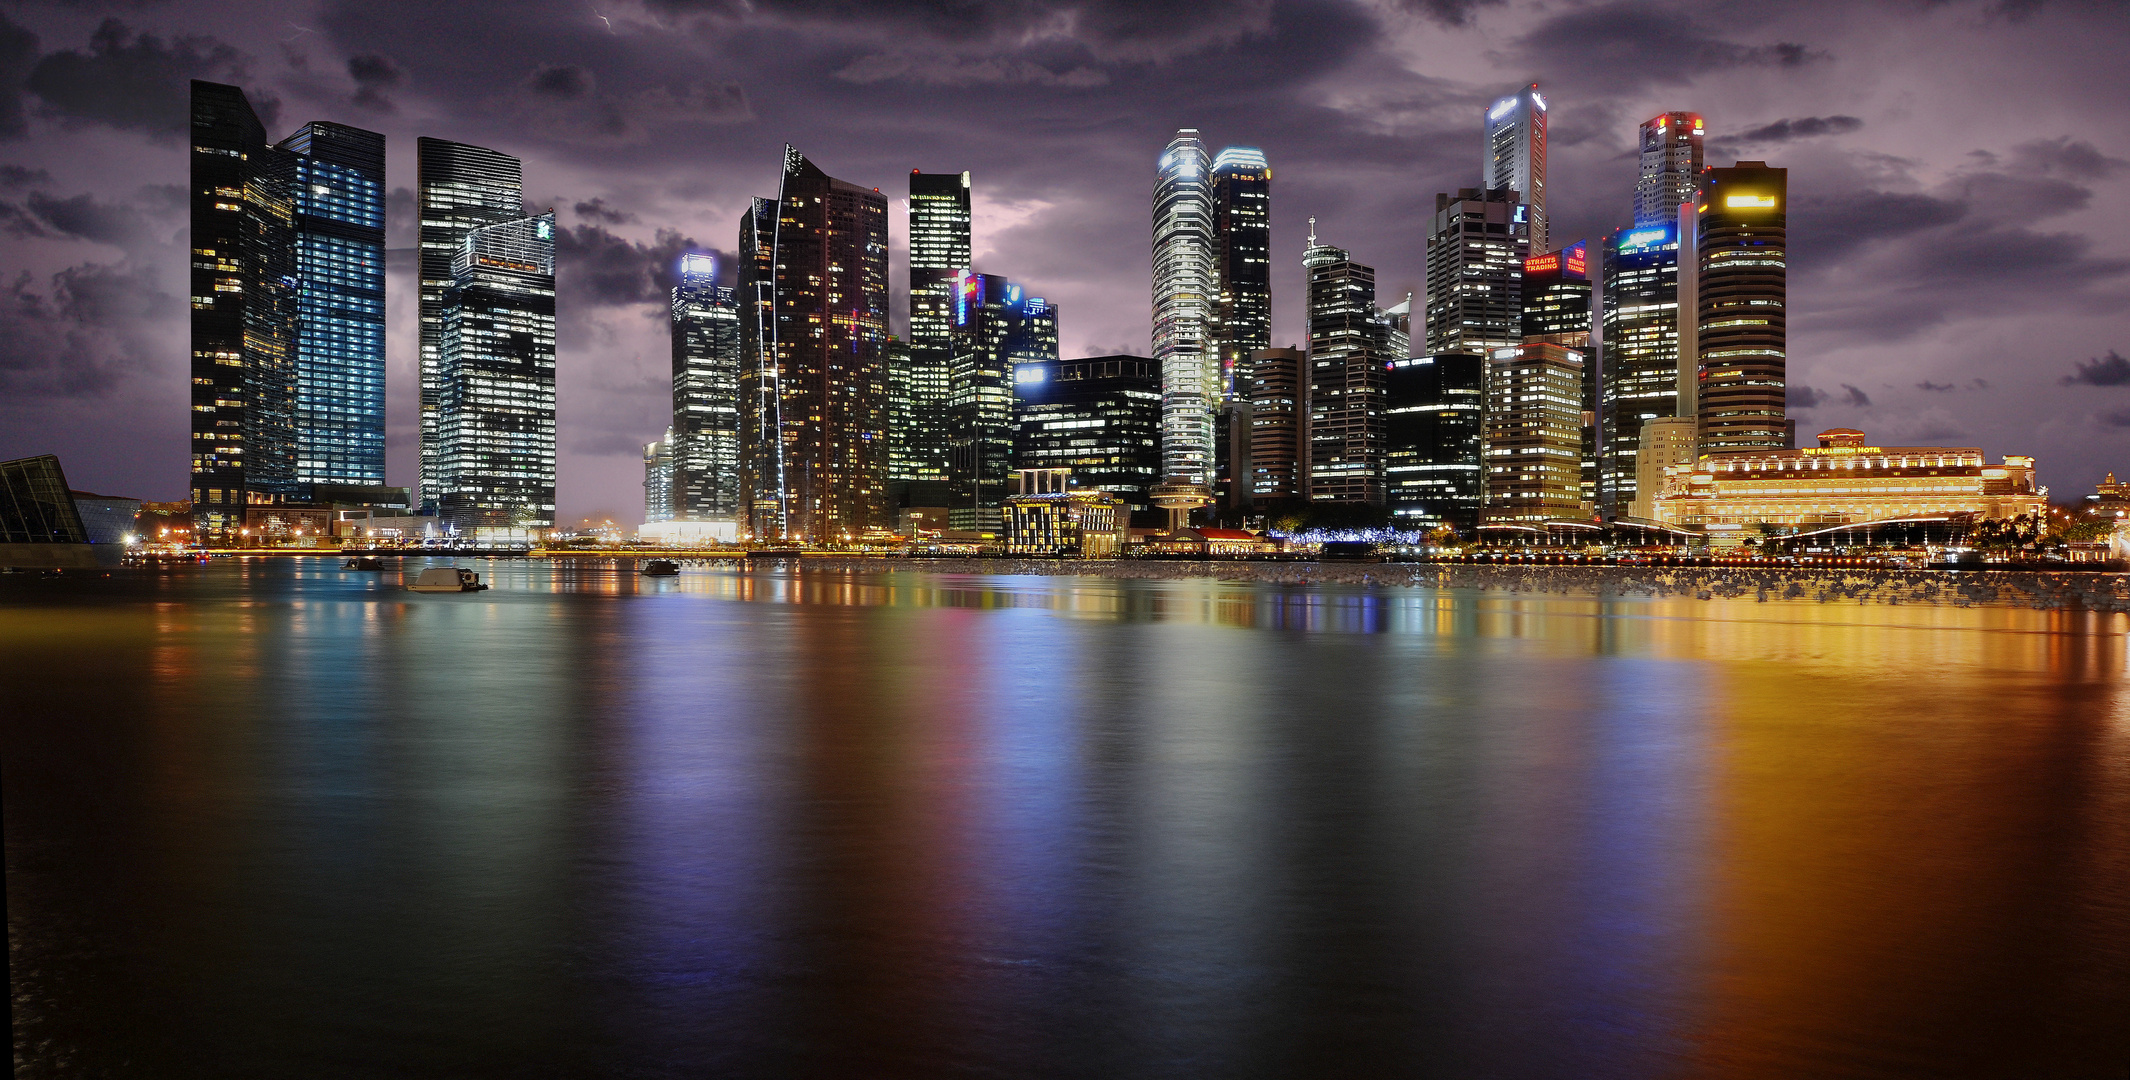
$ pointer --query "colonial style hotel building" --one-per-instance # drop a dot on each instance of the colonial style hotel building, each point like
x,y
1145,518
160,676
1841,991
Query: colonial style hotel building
x,y
1843,481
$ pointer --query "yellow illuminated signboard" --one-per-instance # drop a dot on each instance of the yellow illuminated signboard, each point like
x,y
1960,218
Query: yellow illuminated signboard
x,y
1766,202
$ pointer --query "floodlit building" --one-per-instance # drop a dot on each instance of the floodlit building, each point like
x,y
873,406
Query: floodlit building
x,y
1184,299
997,328
940,242
1740,293
1534,434
1099,417
1516,156
704,441
496,390
1046,515
1433,422
1844,481
458,188
1671,167
1346,345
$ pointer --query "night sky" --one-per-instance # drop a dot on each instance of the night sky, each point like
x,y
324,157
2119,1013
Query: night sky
x,y
1960,243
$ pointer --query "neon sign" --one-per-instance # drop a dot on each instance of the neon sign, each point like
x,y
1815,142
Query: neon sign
x,y
1644,238
1540,100
1501,108
1578,261
1542,264
1749,201
968,292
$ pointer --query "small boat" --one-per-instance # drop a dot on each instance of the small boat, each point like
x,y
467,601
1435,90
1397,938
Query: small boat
x,y
661,568
447,579
362,562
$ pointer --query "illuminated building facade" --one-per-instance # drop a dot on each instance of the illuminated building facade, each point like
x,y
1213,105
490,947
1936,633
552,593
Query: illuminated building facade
x,y
496,398
818,470
1099,417
1276,420
1433,422
244,313
1242,314
1640,381
1184,297
1556,308
458,188
1533,446
705,439
1740,293
940,210
1844,481
1346,344
761,438
1046,515
1476,245
996,328
337,198
658,498
1516,156
1671,167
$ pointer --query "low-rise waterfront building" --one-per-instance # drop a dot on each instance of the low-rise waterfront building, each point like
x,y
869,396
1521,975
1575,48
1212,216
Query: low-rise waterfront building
x,y
1046,515
1844,481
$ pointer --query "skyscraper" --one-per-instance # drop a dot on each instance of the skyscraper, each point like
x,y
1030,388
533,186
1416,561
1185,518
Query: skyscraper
x,y
658,497
1516,155
244,307
1671,167
1740,294
1277,415
996,328
496,383
826,359
1534,433
1184,284
761,398
939,248
337,195
458,188
1099,416
1556,308
705,440
1640,382
1476,245
1242,310
1433,416
1346,340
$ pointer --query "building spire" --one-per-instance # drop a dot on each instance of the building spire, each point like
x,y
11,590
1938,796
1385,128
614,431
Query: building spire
x,y
1312,232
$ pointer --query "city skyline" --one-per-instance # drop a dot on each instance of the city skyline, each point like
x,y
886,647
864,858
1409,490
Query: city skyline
x,y
1881,352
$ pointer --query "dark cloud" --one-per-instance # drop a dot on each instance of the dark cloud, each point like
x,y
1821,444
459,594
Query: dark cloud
x,y
1628,45
1978,384
2109,370
1782,131
1801,396
1825,228
567,82
1108,30
18,52
598,210
2119,418
16,176
565,102
594,267
2066,157
20,223
91,330
373,75
1936,387
88,218
1856,397
1449,12
134,82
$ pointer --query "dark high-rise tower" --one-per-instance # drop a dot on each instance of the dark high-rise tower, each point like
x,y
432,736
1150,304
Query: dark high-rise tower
x,y
1278,413
829,333
459,188
1346,341
1671,167
338,198
1476,244
1433,419
939,248
705,440
761,396
1556,302
1099,416
1242,309
495,412
1516,156
996,328
244,312
1740,293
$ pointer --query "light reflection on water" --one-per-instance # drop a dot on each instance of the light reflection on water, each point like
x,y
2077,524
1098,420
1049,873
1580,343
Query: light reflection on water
x,y
769,824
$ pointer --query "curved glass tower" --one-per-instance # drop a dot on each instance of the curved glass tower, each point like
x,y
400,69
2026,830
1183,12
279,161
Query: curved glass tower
x,y
1183,295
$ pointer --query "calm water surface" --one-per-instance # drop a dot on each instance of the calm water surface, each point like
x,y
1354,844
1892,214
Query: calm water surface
x,y
272,819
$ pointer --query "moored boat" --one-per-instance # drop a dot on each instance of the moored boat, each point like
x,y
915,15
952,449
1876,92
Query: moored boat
x,y
447,579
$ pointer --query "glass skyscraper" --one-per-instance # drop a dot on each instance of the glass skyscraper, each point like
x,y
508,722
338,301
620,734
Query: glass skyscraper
x,y
338,199
1184,283
1556,308
1671,167
496,383
1433,416
1476,245
996,328
761,406
939,249
1099,416
1640,381
458,188
1241,192
1346,344
1516,155
244,313
1740,294
705,439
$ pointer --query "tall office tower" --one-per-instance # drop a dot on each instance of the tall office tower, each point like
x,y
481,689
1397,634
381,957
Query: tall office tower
x,y
1739,295
1099,416
337,192
1476,244
939,249
244,307
1242,308
1398,329
658,495
496,383
828,360
1433,417
1556,308
705,442
1516,155
1277,408
1671,167
1640,382
761,407
1346,341
459,188
996,328
1534,433
1183,309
